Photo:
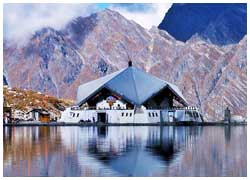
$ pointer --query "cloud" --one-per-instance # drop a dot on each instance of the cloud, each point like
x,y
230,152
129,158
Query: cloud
x,y
22,20
133,7
147,15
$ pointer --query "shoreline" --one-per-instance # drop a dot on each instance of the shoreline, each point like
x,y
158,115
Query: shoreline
x,y
128,124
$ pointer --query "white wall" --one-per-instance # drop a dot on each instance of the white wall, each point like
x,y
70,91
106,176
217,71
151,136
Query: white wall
x,y
113,116
120,116
124,116
75,116
153,116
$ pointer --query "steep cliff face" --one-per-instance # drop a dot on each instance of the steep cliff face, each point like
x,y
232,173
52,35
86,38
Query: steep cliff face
x,y
220,24
210,76
49,62
57,62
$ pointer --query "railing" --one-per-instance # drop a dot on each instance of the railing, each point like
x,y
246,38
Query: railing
x,y
94,108
168,109
179,108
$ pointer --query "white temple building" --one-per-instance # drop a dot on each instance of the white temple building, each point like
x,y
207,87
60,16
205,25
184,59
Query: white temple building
x,y
130,96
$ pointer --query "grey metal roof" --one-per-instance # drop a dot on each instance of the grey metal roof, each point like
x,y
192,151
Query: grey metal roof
x,y
131,83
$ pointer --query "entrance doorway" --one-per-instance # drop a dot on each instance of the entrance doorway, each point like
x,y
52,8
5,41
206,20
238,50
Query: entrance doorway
x,y
101,117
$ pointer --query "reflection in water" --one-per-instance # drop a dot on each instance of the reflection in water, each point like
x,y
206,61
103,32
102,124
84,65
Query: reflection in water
x,y
125,151
102,131
227,132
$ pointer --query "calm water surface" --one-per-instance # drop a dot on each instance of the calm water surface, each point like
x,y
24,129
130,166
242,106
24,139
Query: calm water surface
x,y
125,151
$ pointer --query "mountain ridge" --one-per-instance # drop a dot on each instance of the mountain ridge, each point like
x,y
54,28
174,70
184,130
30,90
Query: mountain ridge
x,y
218,23
56,62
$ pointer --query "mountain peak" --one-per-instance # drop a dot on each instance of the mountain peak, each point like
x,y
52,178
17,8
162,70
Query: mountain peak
x,y
103,22
218,23
108,12
108,15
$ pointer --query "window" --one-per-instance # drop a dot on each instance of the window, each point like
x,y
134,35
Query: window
x,y
130,114
73,115
156,114
77,115
149,114
122,113
153,114
126,114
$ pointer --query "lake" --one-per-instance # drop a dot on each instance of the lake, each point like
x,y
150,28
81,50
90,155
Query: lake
x,y
125,151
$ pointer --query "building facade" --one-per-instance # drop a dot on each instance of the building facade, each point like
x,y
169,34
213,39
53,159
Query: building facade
x,y
130,96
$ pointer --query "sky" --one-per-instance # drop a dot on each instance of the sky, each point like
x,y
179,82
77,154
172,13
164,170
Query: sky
x,y
20,21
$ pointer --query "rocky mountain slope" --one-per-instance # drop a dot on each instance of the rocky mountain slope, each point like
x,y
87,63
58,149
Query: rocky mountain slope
x,y
57,62
218,23
25,100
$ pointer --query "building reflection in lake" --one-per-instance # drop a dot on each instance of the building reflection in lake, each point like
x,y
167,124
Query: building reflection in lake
x,y
140,151
122,151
